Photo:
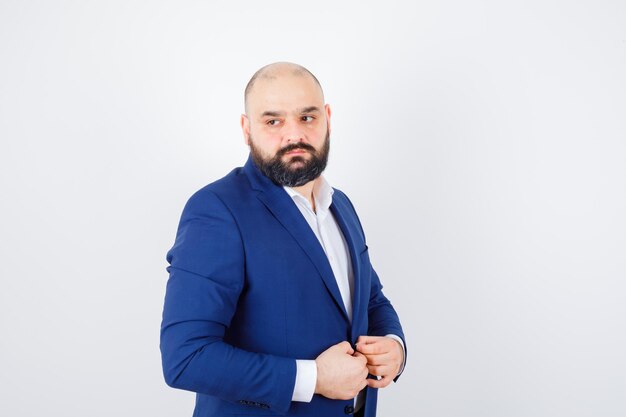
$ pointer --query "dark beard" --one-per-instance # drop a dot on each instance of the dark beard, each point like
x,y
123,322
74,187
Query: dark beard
x,y
282,174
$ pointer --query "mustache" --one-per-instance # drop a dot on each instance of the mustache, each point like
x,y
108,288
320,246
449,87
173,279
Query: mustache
x,y
295,146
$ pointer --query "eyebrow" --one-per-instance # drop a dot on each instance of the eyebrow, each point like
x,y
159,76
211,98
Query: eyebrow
x,y
271,113
309,109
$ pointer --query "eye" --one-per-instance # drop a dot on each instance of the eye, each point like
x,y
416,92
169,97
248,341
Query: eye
x,y
272,122
308,118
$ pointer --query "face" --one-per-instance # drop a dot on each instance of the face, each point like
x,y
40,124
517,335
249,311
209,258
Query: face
x,y
287,127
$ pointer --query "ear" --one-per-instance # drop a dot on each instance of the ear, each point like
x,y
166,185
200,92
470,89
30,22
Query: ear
x,y
245,129
328,112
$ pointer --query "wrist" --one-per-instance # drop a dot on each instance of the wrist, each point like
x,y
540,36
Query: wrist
x,y
317,378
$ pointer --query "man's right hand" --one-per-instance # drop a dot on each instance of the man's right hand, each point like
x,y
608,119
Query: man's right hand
x,y
340,375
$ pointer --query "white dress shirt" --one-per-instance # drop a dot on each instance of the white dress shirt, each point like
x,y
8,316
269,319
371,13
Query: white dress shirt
x,y
327,231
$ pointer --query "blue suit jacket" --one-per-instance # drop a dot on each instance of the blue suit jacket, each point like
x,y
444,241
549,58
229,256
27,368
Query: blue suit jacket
x,y
250,290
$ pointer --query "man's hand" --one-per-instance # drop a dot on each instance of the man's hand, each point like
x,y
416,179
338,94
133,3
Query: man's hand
x,y
340,376
384,358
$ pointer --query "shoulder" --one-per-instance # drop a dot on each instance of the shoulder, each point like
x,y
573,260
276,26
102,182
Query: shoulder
x,y
220,194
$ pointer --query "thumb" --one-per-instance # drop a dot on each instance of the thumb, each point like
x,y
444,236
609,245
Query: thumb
x,y
345,347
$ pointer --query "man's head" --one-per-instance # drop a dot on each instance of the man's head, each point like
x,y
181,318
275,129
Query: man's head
x,y
287,124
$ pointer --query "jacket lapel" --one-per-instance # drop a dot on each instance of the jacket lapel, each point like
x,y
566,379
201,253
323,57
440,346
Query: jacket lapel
x,y
276,199
342,213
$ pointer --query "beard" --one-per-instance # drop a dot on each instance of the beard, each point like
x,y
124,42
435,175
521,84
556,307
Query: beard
x,y
297,170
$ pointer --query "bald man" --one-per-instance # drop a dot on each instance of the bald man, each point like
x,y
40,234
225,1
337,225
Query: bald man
x,y
272,306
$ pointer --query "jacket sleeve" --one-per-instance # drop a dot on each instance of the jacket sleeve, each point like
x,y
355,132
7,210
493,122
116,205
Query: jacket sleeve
x,y
382,317
206,278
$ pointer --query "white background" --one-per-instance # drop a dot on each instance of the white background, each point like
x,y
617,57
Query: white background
x,y
483,144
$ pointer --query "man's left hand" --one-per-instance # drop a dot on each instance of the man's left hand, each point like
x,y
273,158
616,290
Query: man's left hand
x,y
384,358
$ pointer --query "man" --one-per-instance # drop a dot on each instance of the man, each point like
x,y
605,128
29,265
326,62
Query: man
x,y
272,306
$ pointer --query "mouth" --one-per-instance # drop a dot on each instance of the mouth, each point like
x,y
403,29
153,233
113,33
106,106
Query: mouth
x,y
297,152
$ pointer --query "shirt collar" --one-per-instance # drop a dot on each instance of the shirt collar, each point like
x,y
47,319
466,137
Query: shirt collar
x,y
322,192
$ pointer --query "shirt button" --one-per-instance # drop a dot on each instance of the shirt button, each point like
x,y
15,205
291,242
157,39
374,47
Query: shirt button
x,y
349,409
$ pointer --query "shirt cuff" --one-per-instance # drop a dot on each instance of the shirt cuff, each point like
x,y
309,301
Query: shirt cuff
x,y
399,340
306,379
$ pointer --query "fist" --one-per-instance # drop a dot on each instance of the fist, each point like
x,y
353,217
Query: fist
x,y
341,373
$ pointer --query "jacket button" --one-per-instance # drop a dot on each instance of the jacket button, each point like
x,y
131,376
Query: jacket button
x,y
348,409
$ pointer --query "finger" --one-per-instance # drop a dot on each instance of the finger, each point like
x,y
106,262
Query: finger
x,y
361,357
382,359
345,347
380,345
382,370
368,339
381,383
374,348
363,383
391,358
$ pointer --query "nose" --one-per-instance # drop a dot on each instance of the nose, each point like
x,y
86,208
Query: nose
x,y
293,133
